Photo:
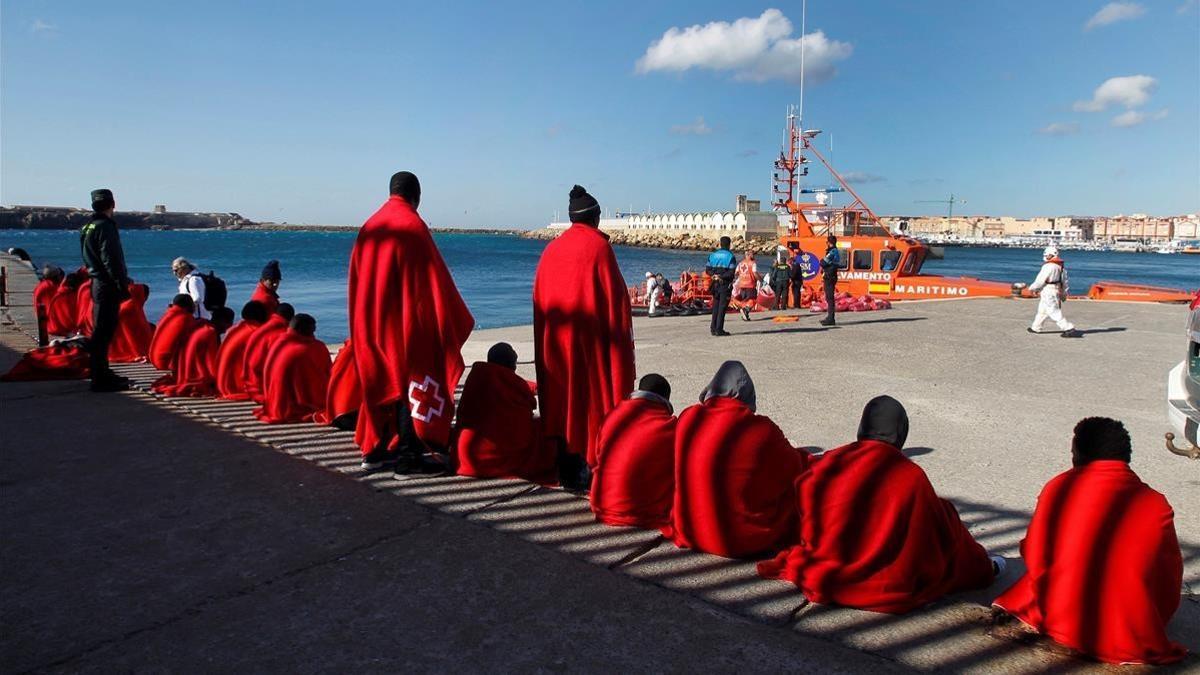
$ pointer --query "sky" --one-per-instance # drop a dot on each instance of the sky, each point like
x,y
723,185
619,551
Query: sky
x,y
300,111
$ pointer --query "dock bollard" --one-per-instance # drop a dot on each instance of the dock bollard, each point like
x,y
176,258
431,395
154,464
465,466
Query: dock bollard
x,y
3,287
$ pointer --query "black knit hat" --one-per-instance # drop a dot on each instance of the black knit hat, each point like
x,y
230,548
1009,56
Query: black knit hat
x,y
271,271
583,207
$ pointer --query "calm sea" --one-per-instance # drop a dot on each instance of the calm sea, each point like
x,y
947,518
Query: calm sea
x,y
495,272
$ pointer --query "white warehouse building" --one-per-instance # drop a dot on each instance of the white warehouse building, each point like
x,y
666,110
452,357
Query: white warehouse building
x,y
747,221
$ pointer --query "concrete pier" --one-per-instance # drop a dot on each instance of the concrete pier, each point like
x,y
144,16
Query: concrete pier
x,y
181,534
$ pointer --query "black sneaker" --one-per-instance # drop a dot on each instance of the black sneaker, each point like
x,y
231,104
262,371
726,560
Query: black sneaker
x,y
377,459
722,333
110,384
828,322
745,313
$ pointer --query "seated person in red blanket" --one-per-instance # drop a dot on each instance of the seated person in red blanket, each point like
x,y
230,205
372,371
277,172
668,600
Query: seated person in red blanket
x,y
131,341
295,374
258,345
1103,566
873,534
196,369
633,482
496,430
172,332
734,473
266,293
231,358
45,289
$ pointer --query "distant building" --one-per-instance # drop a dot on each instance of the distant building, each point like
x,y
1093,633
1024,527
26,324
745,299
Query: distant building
x,y
747,220
160,208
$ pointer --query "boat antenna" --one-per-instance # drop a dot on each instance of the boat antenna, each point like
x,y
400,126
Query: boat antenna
x,y
803,48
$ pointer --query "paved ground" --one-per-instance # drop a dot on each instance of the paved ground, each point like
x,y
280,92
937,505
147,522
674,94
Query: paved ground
x,y
186,536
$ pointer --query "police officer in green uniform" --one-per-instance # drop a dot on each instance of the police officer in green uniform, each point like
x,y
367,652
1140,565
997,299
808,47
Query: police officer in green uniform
x,y
105,259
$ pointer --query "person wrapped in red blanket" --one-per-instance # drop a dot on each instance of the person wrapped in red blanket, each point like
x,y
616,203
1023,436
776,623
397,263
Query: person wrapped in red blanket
x,y
1103,566
407,327
344,395
172,331
196,367
83,308
634,480
734,473
497,434
266,292
583,338
62,317
131,341
45,289
258,346
873,534
67,361
296,375
231,359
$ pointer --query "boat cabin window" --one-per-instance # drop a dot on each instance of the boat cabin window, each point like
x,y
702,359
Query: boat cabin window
x,y
844,258
888,260
916,258
862,259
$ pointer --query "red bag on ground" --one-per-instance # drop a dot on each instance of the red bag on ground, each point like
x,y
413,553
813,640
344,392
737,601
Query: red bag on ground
x,y
1104,569
49,363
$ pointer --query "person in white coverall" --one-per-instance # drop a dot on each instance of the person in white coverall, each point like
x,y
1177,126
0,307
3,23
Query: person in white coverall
x,y
652,293
1051,286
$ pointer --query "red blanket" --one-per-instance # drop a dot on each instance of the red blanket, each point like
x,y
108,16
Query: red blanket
x,y
634,480
583,337
344,395
1104,570
43,293
83,308
170,335
735,478
196,367
295,377
49,363
131,342
61,314
497,433
231,361
258,346
266,297
874,535
407,326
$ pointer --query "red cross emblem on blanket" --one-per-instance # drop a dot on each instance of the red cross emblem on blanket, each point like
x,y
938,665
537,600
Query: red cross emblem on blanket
x,y
425,399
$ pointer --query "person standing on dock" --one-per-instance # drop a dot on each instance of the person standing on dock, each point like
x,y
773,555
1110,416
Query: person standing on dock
x,y
829,273
1051,286
721,266
191,283
408,324
652,292
583,339
780,272
105,259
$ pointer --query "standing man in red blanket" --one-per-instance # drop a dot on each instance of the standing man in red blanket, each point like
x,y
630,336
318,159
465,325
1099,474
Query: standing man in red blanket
x,y
407,327
583,338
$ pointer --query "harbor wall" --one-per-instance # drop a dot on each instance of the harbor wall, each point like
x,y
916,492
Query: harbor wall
x,y
65,218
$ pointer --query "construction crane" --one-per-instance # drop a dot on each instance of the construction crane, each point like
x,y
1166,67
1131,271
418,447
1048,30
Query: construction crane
x,y
949,208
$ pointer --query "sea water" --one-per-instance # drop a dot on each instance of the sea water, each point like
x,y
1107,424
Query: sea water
x,y
494,273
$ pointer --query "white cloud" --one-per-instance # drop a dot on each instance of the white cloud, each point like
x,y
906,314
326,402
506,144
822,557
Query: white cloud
x,y
1132,118
754,49
39,27
862,177
1130,91
1060,129
1187,6
696,128
1114,12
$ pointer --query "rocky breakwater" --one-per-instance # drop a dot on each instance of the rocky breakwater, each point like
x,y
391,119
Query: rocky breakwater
x,y
65,218
682,241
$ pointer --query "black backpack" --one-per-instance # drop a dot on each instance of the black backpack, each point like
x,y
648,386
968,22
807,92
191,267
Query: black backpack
x,y
214,291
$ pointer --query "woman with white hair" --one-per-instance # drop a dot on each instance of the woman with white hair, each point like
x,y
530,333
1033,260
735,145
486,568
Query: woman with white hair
x,y
190,283
1051,285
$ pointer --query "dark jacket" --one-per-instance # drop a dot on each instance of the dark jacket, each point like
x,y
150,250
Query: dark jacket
x,y
102,253
829,264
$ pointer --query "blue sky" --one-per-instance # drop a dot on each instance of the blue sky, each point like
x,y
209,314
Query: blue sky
x,y
300,111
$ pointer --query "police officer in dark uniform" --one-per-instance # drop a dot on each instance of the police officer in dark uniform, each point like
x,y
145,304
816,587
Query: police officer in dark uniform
x,y
721,266
105,260
829,272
